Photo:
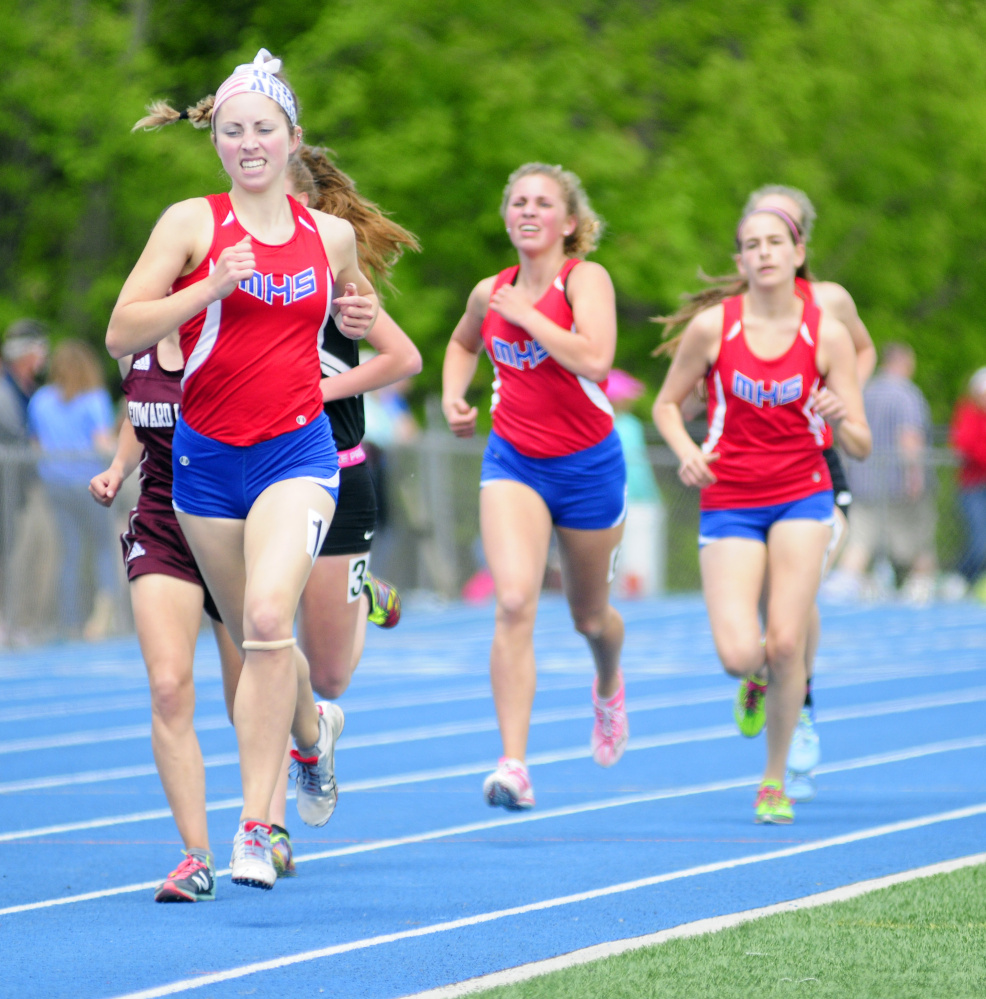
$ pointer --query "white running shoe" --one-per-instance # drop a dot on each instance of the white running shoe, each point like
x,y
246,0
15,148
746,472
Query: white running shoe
x,y
800,787
509,786
805,751
611,729
315,775
251,862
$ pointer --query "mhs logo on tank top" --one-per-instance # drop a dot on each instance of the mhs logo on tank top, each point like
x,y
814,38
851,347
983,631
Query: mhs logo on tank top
x,y
288,288
779,394
527,353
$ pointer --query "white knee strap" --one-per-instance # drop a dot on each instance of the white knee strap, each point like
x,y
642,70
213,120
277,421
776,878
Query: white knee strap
x,y
251,645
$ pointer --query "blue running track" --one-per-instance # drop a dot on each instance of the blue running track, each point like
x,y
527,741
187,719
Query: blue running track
x,y
416,883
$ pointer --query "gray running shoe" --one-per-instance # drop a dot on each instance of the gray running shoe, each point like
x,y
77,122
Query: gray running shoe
x,y
315,775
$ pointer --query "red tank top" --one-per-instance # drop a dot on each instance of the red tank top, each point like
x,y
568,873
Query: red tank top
x,y
153,403
540,407
803,289
251,360
761,424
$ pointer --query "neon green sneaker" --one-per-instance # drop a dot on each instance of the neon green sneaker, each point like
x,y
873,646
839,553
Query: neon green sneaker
x,y
281,852
748,708
385,602
773,805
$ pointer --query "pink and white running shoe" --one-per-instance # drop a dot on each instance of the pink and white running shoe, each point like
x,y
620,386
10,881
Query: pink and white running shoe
x,y
509,786
612,729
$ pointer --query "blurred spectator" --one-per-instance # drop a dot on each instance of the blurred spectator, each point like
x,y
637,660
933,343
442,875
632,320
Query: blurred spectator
x,y
893,512
24,353
72,420
389,422
24,526
968,437
640,568
389,419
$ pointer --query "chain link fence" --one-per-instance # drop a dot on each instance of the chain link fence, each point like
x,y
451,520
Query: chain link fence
x,y
427,543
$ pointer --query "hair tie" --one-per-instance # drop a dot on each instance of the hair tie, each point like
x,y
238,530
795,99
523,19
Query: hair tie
x,y
183,116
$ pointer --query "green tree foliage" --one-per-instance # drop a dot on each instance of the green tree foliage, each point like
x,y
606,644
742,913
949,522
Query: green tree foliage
x,y
671,112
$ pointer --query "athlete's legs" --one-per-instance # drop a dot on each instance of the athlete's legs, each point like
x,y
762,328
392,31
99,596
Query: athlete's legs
x,y
332,627
733,571
841,535
167,613
795,551
516,529
231,664
255,570
586,567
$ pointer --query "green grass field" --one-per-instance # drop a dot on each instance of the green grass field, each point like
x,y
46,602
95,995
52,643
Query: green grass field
x,y
922,940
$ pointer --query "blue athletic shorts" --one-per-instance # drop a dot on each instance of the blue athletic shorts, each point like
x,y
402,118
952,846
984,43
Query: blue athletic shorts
x,y
756,521
213,479
585,490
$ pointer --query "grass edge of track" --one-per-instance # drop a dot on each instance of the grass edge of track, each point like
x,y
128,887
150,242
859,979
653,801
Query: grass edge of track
x,y
917,943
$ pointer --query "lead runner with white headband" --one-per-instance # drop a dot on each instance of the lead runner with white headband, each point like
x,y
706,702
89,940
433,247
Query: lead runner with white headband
x,y
253,276
258,77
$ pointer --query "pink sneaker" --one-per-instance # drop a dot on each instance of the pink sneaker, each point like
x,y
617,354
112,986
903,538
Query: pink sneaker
x,y
509,786
610,733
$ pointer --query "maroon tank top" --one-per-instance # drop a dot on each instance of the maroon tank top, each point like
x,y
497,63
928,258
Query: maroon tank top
x,y
153,404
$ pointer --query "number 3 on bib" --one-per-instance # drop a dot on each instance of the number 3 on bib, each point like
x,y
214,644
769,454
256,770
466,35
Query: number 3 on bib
x,y
358,568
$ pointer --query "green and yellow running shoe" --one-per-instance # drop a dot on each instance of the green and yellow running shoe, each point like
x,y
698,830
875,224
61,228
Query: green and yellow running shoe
x,y
773,805
385,602
281,852
748,708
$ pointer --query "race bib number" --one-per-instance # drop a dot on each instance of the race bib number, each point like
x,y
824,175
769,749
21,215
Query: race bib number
x,y
317,529
614,561
358,568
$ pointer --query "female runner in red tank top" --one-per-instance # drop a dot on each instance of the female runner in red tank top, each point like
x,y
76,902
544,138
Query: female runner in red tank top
x,y
255,471
836,302
766,491
168,595
553,460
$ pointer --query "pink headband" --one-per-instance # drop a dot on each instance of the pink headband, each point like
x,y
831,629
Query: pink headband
x,y
258,77
791,224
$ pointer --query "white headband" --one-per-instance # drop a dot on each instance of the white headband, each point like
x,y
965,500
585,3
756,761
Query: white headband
x,y
258,77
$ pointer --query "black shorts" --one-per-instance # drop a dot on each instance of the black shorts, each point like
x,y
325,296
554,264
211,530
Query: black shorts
x,y
355,518
154,543
840,484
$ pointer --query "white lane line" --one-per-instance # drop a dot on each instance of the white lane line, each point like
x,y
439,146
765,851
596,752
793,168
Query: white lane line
x,y
700,927
968,695
417,734
861,835
833,681
642,798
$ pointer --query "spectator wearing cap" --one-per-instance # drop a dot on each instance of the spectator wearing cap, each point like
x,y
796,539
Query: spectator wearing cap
x,y
968,438
24,353
640,569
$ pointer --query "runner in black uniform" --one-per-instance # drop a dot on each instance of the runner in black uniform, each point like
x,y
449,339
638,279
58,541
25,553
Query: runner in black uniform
x,y
341,594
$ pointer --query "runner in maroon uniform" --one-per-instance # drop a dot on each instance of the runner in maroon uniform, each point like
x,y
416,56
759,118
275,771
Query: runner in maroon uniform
x,y
167,594
766,492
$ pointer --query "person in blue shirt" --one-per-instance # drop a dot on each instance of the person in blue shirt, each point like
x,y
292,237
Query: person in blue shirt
x,y
71,420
